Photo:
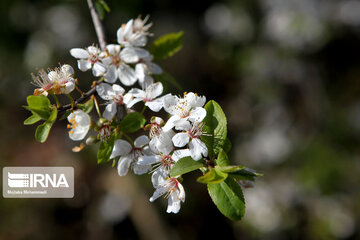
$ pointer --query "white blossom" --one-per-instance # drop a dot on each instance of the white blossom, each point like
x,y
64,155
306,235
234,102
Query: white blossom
x,y
172,188
89,58
117,64
148,96
145,69
191,134
182,109
129,155
134,33
114,94
160,139
58,81
79,124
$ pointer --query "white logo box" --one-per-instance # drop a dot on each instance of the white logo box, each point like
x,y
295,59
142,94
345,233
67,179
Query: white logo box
x,y
38,182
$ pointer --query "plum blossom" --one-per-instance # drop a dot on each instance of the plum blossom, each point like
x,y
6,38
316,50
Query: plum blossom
x,y
191,134
134,33
117,67
149,96
79,125
145,69
172,188
89,58
58,81
114,94
182,109
160,139
130,155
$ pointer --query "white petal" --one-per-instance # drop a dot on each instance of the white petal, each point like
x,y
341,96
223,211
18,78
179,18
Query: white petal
x,y
142,53
82,123
123,165
154,68
141,169
118,90
178,154
182,125
68,88
110,111
170,103
129,55
79,53
181,139
126,75
98,69
197,149
105,91
173,203
197,114
160,190
111,74
170,123
133,101
158,178
140,71
148,160
84,65
141,141
93,50
155,105
113,49
121,148
155,89
67,69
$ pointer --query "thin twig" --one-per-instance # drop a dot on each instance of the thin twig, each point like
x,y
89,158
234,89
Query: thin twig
x,y
99,29
100,32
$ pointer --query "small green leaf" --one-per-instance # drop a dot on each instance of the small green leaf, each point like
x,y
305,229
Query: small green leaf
x,y
185,165
167,45
53,115
42,132
87,106
215,127
229,169
104,5
31,120
213,176
222,159
244,174
39,105
105,150
65,115
100,10
228,198
227,145
132,122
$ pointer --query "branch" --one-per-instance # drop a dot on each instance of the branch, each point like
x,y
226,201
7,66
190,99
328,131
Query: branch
x,y
79,100
99,29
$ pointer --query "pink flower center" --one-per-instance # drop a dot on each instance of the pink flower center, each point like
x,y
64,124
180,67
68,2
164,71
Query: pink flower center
x,y
119,99
116,60
93,58
173,183
105,132
155,130
166,160
136,152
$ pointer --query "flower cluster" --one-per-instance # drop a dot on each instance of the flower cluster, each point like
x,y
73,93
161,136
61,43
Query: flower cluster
x,y
165,148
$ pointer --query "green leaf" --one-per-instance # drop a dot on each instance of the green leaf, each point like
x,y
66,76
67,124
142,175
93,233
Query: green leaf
x,y
100,10
39,105
185,165
104,5
105,150
53,115
229,169
167,45
42,132
65,115
132,122
227,145
87,106
31,120
165,78
215,127
213,176
228,198
222,159
244,174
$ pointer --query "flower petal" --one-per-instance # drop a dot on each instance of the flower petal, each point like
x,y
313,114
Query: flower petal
x,y
123,165
121,148
141,141
170,123
129,55
84,65
173,203
155,90
141,169
79,53
178,154
98,69
105,91
155,106
181,139
148,160
197,114
118,90
111,74
110,111
197,149
126,75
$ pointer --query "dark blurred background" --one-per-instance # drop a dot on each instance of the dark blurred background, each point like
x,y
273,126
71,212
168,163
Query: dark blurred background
x,y
287,73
